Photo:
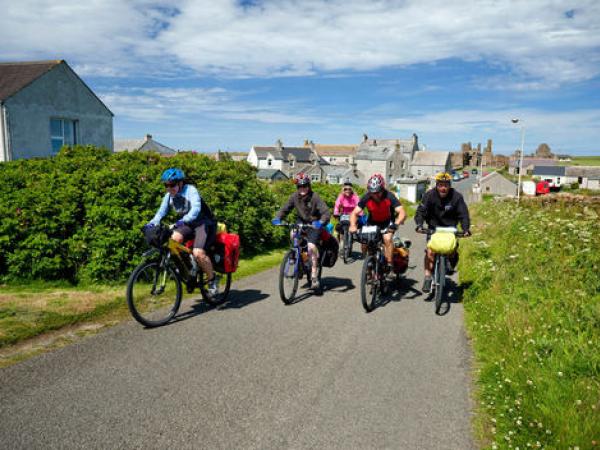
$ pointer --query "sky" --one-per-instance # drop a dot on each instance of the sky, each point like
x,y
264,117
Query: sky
x,y
229,74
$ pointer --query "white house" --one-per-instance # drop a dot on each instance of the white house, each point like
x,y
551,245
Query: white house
x,y
290,160
45,105
588,177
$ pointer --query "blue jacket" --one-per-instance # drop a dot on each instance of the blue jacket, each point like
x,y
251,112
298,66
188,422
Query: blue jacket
x,y
187,204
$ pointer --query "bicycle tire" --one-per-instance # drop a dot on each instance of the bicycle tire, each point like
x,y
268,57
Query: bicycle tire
x,y
150,309
284,274
221,297
347,247
369,284
440,282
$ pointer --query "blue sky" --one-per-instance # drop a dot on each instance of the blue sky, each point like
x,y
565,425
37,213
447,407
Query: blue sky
x,y
227,74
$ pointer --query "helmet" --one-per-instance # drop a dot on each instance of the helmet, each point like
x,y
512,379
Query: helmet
x,y
443,177
301,179
348,182
172,175
376,183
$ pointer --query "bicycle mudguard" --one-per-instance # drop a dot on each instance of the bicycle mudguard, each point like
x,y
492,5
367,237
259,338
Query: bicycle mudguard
x,y
151,252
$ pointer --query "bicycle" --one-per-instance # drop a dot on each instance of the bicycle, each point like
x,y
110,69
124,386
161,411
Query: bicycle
x,y
440,266
345,237
373,274
154,289
296,263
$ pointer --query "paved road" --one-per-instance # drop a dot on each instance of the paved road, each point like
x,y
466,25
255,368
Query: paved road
x,y
256,374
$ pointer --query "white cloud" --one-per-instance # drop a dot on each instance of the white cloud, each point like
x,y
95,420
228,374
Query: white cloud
x,y
535,40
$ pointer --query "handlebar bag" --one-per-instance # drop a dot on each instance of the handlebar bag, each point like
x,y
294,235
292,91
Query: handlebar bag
x,y
442,243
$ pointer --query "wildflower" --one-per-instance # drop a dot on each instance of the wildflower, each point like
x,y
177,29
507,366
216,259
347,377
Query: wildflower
x,y
578,402
560,374
529,382
526,278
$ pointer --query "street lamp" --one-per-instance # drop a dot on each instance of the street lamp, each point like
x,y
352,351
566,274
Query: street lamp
x,y
515,121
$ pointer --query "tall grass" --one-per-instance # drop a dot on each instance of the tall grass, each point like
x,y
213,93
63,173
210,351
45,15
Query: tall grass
x,y
532,301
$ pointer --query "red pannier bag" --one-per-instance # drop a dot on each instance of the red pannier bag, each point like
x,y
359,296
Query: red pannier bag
x,y
229,245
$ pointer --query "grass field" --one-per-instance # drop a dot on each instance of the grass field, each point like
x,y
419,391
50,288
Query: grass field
x,y
532,302
582,161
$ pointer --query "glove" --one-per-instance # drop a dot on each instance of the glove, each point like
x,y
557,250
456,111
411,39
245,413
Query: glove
x,y
179,223
393,227
276,221
317,224
467,233
148,226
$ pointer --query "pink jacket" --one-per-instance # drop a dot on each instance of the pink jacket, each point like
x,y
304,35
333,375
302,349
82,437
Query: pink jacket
x,y
345,205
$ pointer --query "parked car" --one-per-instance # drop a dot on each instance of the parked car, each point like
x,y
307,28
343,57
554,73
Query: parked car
x,y
542,188
465,174
456,177
474,171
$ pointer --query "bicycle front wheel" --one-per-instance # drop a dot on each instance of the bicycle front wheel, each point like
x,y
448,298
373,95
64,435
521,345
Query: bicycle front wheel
x,y
289,273
440,281
369,283
153,294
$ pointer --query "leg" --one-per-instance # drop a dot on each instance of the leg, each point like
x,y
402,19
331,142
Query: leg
x,y
204,238
313,251
204,262
428,263
177,237
388,245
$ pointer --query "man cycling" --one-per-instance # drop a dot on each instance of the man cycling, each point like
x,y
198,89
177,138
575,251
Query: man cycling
x,y
441,207
385,211
310,209
196,220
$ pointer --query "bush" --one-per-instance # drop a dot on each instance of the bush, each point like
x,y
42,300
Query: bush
x,y
77,216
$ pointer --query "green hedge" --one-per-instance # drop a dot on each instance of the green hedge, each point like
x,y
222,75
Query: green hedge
x,y
77,216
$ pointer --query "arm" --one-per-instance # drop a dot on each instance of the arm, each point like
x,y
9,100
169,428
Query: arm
x,y
162,211
353,218
195,204
323,209
285,209
400,215
463,215
336,207
421,213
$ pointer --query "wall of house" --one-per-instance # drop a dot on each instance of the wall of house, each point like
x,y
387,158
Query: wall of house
x,y
252,158
498,186
369,167
3,148
56,94
275,164
427,171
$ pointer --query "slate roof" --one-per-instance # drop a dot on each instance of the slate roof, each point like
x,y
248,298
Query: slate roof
x,y
374,152
268,173
514,162
14,76
583,171
336,150
143,145
552,171
428,158
491,175
336,170
405,145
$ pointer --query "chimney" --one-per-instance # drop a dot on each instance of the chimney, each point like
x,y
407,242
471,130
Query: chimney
x,y
148,137
306,143
365,137
279,144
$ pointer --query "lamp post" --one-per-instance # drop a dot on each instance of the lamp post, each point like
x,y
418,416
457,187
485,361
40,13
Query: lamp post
x,y
515,121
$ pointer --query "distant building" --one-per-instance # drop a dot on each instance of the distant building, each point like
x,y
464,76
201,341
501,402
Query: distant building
x,y
426,164
556,175
338,154
45,105
588,177
338,174
389,157
528,164
290,160
142,145
271,175
494,183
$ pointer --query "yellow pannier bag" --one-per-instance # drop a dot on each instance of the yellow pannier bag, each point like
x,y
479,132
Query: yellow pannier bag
x,y
221,227
442,242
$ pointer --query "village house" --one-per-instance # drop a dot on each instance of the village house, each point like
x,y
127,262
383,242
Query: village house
x,y
142,145
496,184
290,160
45,105
588,177
271,175
389,157
555,175
528,164
426,164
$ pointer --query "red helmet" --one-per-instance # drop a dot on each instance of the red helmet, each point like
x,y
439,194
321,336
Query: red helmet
x,y
376,183
301,179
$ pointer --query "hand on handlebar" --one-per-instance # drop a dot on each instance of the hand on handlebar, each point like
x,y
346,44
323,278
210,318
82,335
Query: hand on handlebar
x,y
467,233
276,221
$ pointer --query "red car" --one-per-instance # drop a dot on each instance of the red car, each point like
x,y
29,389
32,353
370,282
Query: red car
x,y
542,188
465,174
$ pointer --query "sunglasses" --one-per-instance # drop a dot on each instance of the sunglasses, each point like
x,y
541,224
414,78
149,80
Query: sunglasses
x,y
170,185
347,189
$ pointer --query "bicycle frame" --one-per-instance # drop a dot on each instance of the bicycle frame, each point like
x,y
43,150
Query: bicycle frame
x,y
298,246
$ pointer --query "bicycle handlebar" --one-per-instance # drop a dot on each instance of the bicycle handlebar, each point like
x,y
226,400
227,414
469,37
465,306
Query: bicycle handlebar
x,y
430,231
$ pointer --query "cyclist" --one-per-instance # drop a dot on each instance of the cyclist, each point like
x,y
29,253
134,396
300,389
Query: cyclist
x,y
385,211
444,207
345,204
195,220
310,209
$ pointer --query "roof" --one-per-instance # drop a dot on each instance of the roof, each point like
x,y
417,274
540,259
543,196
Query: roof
x,y
14,76
491,175
554,171
336,150
374,152
514,162
583,171
301,154
143,145
336,170
405,145
427,158
269,173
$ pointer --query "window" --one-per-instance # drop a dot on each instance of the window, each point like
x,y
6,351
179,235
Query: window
x,y
292,162
314,177
269,162
62,132
419,172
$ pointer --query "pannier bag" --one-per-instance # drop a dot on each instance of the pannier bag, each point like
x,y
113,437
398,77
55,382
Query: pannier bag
x,y
226,254
157,236
442,242
400,260
330,250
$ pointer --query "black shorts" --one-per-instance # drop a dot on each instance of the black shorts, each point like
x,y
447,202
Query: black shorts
x,y
203,234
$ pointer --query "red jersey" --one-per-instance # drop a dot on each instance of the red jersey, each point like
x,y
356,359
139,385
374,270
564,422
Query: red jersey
x,y
382,211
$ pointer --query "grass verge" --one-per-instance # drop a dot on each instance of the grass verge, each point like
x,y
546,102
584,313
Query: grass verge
x,y
532,303
57,314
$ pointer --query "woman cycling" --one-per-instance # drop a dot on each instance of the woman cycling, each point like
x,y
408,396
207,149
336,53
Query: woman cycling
x,y
344,205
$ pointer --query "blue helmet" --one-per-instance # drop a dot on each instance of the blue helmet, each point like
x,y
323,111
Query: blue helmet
x,y
172,175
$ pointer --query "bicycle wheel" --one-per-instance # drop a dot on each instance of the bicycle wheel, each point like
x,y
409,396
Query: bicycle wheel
x,y
289,273
153,294
224,286
439,282
347,247
369,283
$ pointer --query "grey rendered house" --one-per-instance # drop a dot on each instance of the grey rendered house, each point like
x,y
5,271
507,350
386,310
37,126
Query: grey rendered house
x,y
426,164
389,157
45,105
494,183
